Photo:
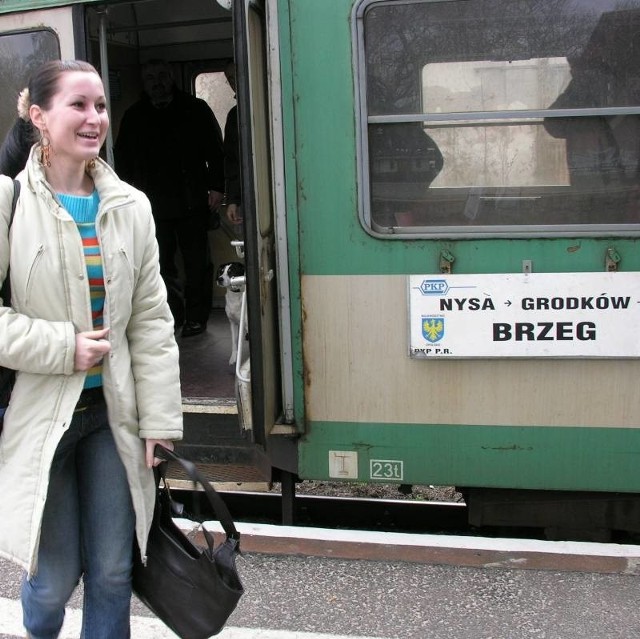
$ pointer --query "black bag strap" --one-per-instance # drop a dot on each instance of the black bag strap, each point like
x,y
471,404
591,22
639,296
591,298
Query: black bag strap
x,y
14,202
219,507
6,291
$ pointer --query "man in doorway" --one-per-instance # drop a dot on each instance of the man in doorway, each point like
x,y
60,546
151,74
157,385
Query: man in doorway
x,y
232,180
170,146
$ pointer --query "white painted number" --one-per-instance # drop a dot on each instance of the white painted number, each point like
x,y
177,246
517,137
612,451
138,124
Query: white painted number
x,y
390,469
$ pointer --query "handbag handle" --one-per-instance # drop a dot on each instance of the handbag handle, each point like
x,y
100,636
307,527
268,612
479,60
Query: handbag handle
x,y
219,507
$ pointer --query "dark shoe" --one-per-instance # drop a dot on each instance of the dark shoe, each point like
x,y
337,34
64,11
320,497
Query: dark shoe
x,y
193,328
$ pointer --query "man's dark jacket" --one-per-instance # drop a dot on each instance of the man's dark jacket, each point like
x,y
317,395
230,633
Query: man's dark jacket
x,y
232,158
173,154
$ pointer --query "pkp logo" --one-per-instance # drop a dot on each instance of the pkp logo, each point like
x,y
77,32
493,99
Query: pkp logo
x,y
434,287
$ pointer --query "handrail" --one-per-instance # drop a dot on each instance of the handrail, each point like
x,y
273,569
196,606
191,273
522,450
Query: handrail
x,y
241,331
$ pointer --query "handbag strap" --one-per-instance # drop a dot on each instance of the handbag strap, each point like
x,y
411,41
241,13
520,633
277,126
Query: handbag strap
x,y
14,202
6,290
219,507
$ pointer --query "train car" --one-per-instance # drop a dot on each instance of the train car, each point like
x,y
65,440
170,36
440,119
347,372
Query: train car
x,y
441,218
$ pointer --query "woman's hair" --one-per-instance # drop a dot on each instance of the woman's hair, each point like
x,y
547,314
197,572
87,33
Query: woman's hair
x,y
42,86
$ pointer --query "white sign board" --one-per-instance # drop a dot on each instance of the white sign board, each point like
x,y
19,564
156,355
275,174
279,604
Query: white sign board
x,y
524,315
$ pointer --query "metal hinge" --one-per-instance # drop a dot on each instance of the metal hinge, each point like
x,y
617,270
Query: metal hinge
x,y
611,259
446,260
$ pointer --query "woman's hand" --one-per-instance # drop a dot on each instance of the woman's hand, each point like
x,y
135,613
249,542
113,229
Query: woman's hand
x,y
151,459
91,347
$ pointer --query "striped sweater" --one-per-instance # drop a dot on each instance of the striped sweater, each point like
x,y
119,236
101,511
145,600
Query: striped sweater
x,y
84,209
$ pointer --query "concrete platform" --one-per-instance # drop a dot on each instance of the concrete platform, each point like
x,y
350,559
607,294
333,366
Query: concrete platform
x,y
477,552
290,595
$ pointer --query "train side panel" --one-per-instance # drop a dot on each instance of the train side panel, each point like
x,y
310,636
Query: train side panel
x,y
373,413
565,424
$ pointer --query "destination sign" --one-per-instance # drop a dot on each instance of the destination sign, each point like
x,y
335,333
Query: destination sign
x,y
569,315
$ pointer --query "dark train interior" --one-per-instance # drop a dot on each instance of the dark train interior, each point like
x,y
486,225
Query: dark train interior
x,y
196,38
197,41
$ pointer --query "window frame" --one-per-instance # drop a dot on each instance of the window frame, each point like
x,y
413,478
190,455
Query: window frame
x,y
364,119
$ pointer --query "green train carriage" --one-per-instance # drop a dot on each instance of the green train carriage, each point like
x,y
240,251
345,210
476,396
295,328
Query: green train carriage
x,y
441,224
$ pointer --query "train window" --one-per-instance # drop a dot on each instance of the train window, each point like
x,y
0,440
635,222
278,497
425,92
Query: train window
x,y
22,53
214,89
499,117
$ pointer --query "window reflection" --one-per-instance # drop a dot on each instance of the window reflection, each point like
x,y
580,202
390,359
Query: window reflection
x,y
469,60
21,54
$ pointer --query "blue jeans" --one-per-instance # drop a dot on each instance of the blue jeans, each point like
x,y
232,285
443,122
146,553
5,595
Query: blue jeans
x,y
87,530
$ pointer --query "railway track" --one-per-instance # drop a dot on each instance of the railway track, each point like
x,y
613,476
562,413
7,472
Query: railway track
x,y
368,514
344,513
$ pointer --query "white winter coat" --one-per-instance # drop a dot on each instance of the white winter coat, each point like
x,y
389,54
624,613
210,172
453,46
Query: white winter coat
x,y
50,303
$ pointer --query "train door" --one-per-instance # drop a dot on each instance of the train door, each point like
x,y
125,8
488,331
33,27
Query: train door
x,y
258,210
119,36
194,36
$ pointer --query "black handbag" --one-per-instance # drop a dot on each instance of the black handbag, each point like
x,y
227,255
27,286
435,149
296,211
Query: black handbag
x,y
192,591
7,375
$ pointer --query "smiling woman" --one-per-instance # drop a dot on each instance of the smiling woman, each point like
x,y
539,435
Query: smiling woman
x,y
73,127
80,429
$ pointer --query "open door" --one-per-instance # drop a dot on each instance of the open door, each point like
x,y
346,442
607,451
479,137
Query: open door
x,y
194,37
263,390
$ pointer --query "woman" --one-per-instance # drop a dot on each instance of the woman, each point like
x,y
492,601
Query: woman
x,y
91,336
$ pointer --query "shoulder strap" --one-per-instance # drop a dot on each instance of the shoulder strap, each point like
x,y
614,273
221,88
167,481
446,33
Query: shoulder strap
x,y
5,290
16,195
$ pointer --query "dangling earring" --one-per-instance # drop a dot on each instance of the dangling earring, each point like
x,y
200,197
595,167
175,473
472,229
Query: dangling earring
x,y
45,151
91,164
